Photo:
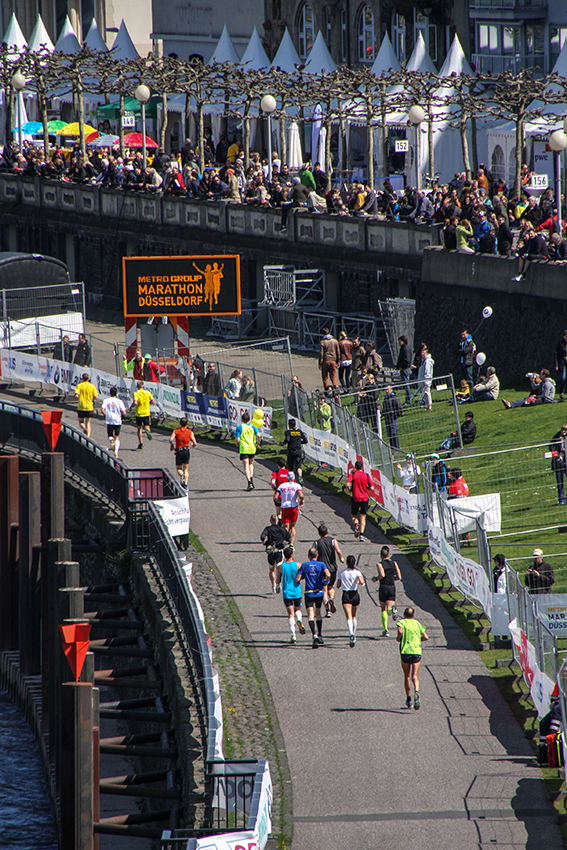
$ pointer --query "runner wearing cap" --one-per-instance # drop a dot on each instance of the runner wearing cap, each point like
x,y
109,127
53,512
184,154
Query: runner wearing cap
x,y
247,439
359,483
290,496
410,636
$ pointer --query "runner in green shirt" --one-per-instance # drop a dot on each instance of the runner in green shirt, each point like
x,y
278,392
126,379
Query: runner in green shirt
x,y
410,635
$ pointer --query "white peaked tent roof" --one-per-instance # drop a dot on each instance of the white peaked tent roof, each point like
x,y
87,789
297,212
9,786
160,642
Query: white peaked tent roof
x,y
456,61
123,47
286,58
67,41
94,40
320,60
14,36
40,36
386,58
255,56
224,51
420,59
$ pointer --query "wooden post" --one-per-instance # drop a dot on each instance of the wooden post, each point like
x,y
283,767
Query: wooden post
x,y
30,538
76,780
9,584
55,550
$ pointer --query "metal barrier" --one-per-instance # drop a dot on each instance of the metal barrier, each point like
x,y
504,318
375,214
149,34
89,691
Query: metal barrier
x,y
531,623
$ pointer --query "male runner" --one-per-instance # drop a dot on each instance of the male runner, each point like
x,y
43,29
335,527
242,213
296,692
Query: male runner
x,y
279,476
316,576
388,575
291,499
180,442
275,538
291,591
247,439
294,439
113,409
142,400
359,482
327,550
87,393
410,636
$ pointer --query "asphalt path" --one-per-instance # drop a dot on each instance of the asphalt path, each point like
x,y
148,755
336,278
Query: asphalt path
x,y
366,772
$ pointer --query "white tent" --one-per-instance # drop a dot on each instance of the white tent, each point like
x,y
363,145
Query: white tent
x,y
14,36
67,41
286,57
40,37
255,58
94,40
386,59
123,47
320,60
224,51
294,155
420,59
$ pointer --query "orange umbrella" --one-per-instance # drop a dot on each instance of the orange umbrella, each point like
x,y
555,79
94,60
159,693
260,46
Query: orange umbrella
x,y
90,138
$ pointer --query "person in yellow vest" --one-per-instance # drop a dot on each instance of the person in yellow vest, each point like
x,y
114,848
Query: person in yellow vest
x,y
86,393
142,400
248,439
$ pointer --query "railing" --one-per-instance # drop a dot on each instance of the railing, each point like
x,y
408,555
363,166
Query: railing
x,y
497,64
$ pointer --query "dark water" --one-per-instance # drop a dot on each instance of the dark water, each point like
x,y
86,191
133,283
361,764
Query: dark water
x,y
26,822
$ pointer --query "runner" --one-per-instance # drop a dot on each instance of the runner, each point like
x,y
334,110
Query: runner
x,y
294,439
327,551
86,393
349,579
316,575
274,538
359,482
291,499
279,476
291,590
180,441
410,636
142,400
247,439
113,409
388,574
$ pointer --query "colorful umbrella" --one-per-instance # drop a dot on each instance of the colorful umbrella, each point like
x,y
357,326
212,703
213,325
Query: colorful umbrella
x,y
105,141
30,128
55,125
91,137
136,140
73,129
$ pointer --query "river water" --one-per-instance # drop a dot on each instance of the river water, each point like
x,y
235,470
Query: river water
x,y
26,822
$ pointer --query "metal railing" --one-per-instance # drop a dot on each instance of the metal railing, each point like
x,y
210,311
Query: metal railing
x,y
530,622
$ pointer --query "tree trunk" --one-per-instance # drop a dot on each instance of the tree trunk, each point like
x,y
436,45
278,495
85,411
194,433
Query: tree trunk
x,y
328,164
430,144
246,136
283,141
42,108
121,111
370,144
343,143
163,128
201,134
10,115
519,155
385,132
474,145
465,143
81,103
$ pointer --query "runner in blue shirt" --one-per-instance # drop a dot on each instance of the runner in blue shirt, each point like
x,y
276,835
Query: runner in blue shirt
x,y
291,592
316,576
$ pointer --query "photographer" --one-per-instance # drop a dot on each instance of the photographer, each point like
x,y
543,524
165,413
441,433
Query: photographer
x,y
539,577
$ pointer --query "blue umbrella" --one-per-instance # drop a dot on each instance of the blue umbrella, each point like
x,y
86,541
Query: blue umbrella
x,y
30,128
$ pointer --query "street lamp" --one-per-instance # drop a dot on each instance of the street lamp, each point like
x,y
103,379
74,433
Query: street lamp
x,y
18,83
142,95
416,116
558,143
268,104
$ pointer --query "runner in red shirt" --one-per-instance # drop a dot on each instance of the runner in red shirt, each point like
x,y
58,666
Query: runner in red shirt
x,y
180,441
359,483
279,476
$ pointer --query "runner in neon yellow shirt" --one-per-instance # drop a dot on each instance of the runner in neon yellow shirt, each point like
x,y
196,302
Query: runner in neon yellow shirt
x,y
142,400
86,393
410,636
247,439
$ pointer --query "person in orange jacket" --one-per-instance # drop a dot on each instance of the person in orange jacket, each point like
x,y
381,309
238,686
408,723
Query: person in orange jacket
x,y
459,486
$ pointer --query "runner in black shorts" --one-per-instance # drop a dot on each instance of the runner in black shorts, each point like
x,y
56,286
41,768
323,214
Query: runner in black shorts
x,y
349,579
388,574
327,549
359,483
411,634
294,439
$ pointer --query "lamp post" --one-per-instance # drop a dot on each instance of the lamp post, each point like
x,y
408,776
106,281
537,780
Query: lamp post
x,y
268,104
18,83
558,143
416,116
142,95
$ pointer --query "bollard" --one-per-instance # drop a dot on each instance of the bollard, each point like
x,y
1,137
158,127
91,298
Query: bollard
x,y
9,517
30,538
76,779
96,759
53,551
52,496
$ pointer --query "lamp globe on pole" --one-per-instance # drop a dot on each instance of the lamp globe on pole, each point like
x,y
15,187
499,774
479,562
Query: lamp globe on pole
x,y
415,116
18,83
142,95
268,104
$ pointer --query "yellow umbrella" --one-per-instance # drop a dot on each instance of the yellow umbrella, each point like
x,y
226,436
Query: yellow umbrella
x,y
73,129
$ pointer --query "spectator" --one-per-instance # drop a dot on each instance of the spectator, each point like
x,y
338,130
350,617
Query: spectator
x,y
482,228
466,352
464,233
234,385
403,364
450,233
63,350
423,211
409,473
557,449
324,413
367,404
540,576
504,237
136,366
560,361
212,382
463,394
488,388
531,247
358,355
307,179
458,487
499,574
248,391
297,197
320,178
391,412
468,434
372,360
543,391
329,358
439,473
345,363
558,248
83,352
425,377
151,371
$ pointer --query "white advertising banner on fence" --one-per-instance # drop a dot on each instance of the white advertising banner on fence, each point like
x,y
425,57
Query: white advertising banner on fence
x,y
406,508
176,514
324,447
468,508
541,686
26,332
552,608
464,574
237,408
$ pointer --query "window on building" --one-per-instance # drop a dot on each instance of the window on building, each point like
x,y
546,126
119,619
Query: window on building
x,y
429,32
535,46
305,31
328,26
487,38
557,38
399,36
366,37
344,36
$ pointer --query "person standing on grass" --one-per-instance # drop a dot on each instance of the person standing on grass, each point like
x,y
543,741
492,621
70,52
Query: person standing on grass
x,y
540,576
113,409
359,483
391,411
329,359
327,550
86,393
411,634
142,400
316,576
291,592
403,364
388,575
180,441
247,439
557,449
409,473
465,353
349,580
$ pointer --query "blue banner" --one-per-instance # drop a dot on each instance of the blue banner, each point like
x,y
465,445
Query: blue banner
x,y
206,410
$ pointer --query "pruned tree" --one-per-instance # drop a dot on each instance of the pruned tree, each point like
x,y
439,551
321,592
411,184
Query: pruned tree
x,y
119,77
45,72
425,89
10,63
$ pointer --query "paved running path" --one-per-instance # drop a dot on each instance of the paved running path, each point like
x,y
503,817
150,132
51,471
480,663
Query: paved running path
x,y
367,773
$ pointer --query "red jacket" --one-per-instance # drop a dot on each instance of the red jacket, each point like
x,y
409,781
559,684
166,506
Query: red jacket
x,y
459,487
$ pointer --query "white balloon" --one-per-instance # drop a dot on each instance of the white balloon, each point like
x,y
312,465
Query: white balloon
x,y
480,358
487,312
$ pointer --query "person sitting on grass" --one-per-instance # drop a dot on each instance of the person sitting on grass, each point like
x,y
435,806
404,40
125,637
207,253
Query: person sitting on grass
x,y
543,391
468,434
463,393
487,388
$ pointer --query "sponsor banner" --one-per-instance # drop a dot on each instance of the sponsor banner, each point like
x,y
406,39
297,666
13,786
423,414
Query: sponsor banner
x,y
468,509
552,609
408,509
24,332
203,409
176,514
324,447
253,839
541,686
464,574
236,408
169,399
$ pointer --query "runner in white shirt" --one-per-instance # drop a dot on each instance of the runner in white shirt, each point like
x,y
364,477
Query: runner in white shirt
x,y
114,409
290,496
349,579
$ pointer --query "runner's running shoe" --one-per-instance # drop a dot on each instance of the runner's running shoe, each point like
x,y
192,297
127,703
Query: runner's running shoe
x,y
417,701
